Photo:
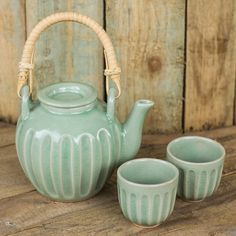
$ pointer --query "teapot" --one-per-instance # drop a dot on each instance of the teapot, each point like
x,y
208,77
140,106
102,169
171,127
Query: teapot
x,y
68,141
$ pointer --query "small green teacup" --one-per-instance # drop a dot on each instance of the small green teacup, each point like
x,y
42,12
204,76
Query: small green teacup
x,y
200,162
147,190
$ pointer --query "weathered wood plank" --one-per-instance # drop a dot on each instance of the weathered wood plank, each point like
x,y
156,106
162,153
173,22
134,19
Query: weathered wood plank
x,y
211,57
13,180
26,212
32,214
7,134
12,31
149,40
67,51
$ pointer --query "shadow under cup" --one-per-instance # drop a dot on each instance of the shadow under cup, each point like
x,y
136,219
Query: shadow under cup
x,y
200,162
147,190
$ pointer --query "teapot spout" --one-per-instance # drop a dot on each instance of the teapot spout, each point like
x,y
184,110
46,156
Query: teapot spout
x,y
132,130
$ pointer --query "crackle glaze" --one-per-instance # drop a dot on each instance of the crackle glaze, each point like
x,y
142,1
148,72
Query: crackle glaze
x,y
69,142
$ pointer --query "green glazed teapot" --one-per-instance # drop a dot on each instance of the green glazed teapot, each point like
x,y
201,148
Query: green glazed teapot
x,y
68,141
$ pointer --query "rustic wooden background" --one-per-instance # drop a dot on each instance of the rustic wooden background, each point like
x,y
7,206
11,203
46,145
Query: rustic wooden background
x,y
179,53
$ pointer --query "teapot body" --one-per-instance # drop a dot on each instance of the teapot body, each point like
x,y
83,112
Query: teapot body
x,y
69,142
68,155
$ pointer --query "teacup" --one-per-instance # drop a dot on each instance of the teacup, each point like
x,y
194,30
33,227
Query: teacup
x,y
200,162
147,190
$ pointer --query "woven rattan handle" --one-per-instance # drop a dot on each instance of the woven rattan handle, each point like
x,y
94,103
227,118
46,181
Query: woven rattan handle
x,y
112,70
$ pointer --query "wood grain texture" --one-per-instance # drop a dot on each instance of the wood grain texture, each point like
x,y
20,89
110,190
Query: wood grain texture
x,y
7,134
149,40
101,215
211,59
12,31
67,51
12,181
26,212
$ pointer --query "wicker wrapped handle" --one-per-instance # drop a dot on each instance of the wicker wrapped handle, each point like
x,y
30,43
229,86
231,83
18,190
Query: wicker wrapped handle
x,y
112,70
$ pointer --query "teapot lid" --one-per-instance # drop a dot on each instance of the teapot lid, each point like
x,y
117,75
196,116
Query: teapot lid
x,y
67,95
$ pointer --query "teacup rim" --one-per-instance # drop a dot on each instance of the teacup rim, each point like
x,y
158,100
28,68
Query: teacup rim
x,y
196,163
149,185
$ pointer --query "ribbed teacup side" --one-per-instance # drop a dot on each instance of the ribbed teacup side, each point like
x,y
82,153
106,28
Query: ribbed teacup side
x,y
146,209
198,184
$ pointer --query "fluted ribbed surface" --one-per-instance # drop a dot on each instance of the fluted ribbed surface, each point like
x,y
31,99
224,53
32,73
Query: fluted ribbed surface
x,y
196,185
145,209
67,168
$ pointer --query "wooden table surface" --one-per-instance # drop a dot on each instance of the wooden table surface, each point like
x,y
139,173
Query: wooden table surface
x,y
23,211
